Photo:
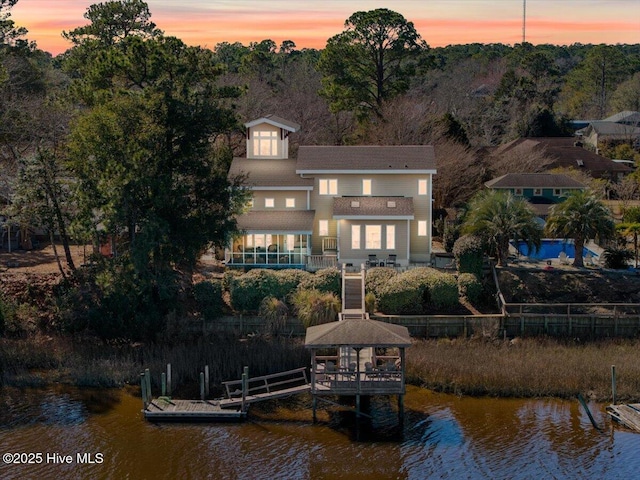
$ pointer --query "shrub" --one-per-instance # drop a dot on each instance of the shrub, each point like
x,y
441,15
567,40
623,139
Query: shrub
x,y
247,291
469,286
288,281
377,278
314,307
417,290
617,258
228,276
208,297
325,280
370,303
468,251
275,313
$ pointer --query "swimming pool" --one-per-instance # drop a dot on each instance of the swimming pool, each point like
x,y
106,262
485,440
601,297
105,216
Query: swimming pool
x,y
551,248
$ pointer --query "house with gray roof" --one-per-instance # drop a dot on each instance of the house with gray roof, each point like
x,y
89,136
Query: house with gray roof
x,y
333,204
623,127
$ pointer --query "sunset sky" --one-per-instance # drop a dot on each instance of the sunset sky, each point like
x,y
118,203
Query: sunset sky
x,y
311,23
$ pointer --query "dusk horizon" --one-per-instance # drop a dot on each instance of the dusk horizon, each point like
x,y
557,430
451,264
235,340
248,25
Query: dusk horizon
x,y
207,23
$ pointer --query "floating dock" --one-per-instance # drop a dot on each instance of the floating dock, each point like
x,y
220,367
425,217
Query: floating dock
x,y
167,410
626,414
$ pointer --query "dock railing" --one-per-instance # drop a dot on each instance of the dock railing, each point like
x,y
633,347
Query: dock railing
x,y
272,383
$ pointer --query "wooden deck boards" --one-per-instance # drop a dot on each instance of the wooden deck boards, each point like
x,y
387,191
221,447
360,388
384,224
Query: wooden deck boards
x,y
626,414
161,409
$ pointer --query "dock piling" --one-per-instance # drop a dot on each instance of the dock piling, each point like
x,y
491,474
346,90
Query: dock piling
x,y
245,385
613,384
143,388
169,379
202,386
147,376
206,380
163,379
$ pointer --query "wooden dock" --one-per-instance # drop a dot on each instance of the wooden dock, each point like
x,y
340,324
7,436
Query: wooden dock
x,y
626,414
165,409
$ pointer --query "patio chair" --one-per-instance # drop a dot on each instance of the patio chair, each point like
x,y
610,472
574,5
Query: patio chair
x,y
588,260
564,260
373,261
391,260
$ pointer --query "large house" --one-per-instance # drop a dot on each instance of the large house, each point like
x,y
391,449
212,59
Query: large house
x,y
331,205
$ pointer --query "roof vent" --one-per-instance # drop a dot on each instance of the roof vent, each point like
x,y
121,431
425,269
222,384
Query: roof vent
x,y
580,163
355,204
391,204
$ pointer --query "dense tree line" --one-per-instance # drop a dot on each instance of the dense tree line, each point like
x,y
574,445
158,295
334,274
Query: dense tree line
x,y
126,137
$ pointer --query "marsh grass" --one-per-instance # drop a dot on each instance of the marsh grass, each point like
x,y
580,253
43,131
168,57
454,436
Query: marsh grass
x,y
538,367
31,362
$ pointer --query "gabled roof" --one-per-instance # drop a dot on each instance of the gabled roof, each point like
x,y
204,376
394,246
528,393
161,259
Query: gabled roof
x,y
359,333
359,207
362,159
269,173
534,180
602,127
277,221
628,116
275,121
565,153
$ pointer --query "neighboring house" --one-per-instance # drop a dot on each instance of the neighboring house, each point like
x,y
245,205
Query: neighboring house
x,y
567,152
542,190
621,127
333,204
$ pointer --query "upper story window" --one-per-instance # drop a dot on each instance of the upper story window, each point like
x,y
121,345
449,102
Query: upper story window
x,y
328,186
290,203
264,143
366,186
269,202
422,186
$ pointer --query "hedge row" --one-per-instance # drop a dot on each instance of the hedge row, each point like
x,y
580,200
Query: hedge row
x,y
417,291
248,290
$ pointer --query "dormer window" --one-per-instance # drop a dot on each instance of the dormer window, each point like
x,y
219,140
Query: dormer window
x,y
264,143
391,204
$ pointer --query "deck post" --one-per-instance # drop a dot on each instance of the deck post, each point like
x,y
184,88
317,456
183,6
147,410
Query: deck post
x,y
163,380
245,382
315,406
202,386
147,377
206,379
169,379
401,408
143,389
613,384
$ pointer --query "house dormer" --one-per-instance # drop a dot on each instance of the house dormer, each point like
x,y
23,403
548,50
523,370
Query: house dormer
x,y
268,137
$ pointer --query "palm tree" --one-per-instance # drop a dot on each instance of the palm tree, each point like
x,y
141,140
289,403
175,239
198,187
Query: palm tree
x,y
630,229
499,217
582,217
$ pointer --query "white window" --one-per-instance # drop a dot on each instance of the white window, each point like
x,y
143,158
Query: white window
x,y
265,144
517,191
373,234
269,202
422,228
366,186
391,237
355,237
323,228
537,191
557,192
290,203
422,187
328,186
291,241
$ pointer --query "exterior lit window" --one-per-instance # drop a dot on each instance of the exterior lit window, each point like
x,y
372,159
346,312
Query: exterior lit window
x,y
259,241
269,202
249,241
422,187
290,203
422,228
328,186
323,228
265,144
366,186
291,241
355,237
391,237
373,234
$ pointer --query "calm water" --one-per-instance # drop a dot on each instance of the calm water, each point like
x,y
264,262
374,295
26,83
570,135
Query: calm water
x,y
443,437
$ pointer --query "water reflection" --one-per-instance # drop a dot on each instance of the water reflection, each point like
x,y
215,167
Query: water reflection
x,y
442,437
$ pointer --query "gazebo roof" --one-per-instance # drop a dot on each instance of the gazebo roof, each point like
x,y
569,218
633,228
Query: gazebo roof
x,y
357,333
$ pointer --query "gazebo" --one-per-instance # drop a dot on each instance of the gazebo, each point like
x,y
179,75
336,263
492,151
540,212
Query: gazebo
x,y
356,357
